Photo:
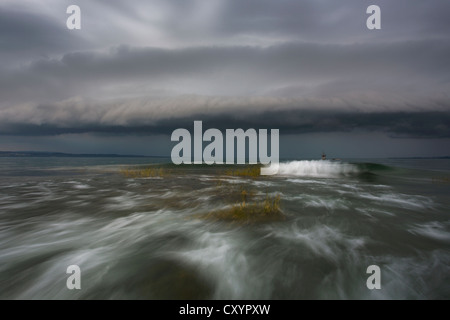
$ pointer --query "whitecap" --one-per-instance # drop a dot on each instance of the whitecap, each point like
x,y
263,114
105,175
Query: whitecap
x,y
316,168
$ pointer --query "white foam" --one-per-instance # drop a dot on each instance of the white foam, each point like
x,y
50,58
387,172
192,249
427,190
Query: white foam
x,y
221,258
123,202
433,230
400,200
330,204
81,186
316,168
322,240
306,181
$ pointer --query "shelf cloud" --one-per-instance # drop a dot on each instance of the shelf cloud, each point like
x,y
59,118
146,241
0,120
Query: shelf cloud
x,y
150,67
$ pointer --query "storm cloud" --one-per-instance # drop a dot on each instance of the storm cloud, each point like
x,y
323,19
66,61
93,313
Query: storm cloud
x,y
150,67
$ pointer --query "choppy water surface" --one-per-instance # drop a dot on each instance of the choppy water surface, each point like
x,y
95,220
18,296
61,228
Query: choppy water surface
x,y
142,238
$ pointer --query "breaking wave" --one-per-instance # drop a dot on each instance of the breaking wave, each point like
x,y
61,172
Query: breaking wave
x,y
317,168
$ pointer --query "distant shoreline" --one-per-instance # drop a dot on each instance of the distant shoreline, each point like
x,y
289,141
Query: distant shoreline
x,y
418,158
21,154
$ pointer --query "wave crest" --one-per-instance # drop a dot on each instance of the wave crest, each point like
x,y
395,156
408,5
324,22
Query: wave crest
x,y
317,168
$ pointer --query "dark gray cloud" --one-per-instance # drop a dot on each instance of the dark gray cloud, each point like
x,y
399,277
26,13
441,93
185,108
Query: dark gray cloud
x,y
38,26
407,69
148,67
398,124
27,36
267,22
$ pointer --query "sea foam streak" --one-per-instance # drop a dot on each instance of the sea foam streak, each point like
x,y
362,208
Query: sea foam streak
x,y
317,168
136,238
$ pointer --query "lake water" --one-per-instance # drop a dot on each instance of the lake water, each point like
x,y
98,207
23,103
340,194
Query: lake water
x,y
148,238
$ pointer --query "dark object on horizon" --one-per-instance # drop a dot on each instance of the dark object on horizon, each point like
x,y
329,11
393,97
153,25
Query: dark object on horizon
x,y
324,156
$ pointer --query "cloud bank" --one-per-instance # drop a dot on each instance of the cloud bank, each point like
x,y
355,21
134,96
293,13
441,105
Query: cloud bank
x,y
151,67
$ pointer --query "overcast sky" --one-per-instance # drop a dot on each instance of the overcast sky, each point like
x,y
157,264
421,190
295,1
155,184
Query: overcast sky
x,y
139,69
